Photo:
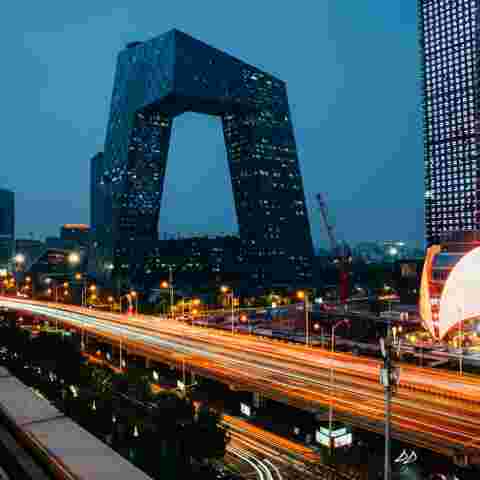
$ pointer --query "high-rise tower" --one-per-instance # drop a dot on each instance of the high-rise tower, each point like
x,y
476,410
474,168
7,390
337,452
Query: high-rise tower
x,y
156,81
449,46
7,227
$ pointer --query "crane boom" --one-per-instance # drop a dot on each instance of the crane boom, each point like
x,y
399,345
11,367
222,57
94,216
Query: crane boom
x,y
338,250
328,227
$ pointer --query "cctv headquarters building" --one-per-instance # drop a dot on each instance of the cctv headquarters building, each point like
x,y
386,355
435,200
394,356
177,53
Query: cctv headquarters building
x,y
156,81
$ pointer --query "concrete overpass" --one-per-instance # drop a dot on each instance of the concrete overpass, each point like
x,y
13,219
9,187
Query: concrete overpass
x,y
432,409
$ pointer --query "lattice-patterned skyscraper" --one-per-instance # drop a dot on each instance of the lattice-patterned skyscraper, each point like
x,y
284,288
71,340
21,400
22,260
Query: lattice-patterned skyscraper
x,y
449,47
172,74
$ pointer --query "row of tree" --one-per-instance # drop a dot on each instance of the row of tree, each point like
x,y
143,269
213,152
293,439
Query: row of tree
x,y
163,433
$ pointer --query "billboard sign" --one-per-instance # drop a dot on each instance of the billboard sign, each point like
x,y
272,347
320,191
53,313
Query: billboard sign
x,y
245,409
322,439
342,441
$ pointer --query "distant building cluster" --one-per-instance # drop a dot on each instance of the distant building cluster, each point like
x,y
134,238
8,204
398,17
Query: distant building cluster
x,y
385,252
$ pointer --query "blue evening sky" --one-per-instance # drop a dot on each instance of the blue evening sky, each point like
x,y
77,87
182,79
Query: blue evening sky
x,y
352,72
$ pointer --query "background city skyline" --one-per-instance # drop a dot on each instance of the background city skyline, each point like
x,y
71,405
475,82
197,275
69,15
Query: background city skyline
x,y
352,76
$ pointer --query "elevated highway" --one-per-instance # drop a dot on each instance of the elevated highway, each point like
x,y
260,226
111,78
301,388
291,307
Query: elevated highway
x,y
432,409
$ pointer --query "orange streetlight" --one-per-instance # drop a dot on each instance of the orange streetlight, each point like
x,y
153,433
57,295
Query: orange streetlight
x,y
303,296
169,285
229,291
134,295
74,258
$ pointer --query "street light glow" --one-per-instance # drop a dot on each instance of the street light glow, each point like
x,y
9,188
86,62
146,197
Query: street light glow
x,y
19,258
73,258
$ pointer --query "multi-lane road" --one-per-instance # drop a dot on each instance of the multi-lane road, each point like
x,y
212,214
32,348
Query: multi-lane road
x,y
434,409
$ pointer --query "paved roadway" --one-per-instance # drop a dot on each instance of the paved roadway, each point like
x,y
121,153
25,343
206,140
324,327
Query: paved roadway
x,y
433,409
283,458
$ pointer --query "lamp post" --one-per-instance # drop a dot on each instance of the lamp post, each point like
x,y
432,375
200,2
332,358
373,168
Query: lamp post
x,y
229,292
389,377
110,301
330,406
73,258
134,295
19,260
169,285
93,296
304,296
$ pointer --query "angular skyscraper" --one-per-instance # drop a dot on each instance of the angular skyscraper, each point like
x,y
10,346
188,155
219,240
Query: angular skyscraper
x,y
7,227
172,74
449,46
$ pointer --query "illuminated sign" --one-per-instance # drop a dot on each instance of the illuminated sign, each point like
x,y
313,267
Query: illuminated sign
x,y
245,409
321,438
340,437
342,441
335,433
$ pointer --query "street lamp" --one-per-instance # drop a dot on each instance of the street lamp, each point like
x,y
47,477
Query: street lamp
x,y
304,296
330,407
19,258
73,258
93,296
229,292
110,301
389,378
134,295
244,318
169,285
81,278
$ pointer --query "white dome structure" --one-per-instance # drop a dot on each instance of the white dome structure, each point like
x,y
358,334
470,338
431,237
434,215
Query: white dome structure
x,y
460,299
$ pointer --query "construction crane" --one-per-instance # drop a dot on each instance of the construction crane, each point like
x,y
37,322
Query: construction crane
x,y
340,251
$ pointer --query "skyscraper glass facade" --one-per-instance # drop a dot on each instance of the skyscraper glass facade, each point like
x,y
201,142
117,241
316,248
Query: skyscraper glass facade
x,y
7,227
449,46
172,74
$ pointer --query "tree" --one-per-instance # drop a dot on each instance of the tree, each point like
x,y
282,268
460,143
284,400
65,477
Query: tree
x,y
207,439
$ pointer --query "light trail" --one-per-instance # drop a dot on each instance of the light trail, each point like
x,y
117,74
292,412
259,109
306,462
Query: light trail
x,y
433,408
